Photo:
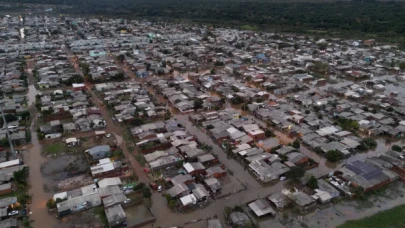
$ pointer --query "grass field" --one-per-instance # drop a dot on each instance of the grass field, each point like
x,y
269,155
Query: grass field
x,y
54,148
386,219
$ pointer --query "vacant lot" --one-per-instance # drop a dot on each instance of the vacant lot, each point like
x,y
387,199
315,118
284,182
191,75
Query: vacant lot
x,y
137,214
62,167
386,219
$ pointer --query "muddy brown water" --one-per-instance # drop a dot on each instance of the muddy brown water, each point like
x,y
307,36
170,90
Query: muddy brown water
x,y
42,218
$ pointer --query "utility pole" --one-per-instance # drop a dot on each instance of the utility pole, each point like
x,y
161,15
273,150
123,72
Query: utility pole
x,y
8,133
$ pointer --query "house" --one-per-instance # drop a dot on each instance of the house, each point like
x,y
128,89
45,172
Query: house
x,y
261,207
5,188
77,200
182,179
367,175
268,144
5,204
279,200
200,193
188,200
107,168
116,216
78,86
194,168
216,172
325,186
213,185
99,152
239,219
297,158
114,199
177,190
301,201
111,181
207,159
9,223
257,134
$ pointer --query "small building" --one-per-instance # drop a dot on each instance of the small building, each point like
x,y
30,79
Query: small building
x,y
99,152
239,219
279,200
188,200
194,168
301,201
110,181
216,171
114,199
261,207
269,144
78,86
9,223
5,188
213,185
116,216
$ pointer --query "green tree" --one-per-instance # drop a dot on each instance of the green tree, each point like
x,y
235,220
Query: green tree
x,y
333,155
121,58
198,103
396,148
402,66
10,117
139,186
212,71
146,192
4,142
295,173
296,144
268,133
312,182
50,203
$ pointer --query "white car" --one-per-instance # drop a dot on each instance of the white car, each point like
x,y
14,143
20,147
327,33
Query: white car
x,y
127,201
13,212
283,178
160,188
108,135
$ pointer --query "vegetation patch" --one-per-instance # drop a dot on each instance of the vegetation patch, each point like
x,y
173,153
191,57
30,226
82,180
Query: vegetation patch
x,y
385,219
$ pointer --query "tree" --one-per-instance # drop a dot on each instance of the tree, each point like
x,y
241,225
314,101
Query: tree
x,y
402,66
322,46
212,71
296,144
50,203
295,173
198,103
268,133
21,176
333,155
10,118
396,148
146,192
4,143
139,186
121,58
390,109
367,144
312,182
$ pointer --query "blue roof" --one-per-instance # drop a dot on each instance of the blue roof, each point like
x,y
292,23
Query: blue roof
x,y
261,56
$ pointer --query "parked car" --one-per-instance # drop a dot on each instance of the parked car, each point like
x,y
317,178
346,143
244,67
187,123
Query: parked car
x,y
14,212
108,135
283,178
160,188
127,201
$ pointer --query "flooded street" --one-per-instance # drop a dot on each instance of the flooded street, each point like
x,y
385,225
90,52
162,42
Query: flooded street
x,y
33,158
